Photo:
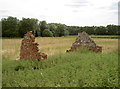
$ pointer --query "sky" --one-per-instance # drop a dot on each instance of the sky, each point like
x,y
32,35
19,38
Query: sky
x,y
69,12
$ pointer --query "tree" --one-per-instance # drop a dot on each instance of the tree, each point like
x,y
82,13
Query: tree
x,y
43,26
118,30
112,29
66,33
52,28
47,33
10,27
101,30
0,28
27,24
60,30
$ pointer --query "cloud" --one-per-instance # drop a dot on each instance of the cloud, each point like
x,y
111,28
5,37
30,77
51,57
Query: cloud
x,y
80,1
69,12
119,13
4,11
119,7
114,6
77,3
75,11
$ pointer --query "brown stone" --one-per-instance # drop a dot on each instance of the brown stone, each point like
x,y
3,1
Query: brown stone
x,y
29,49
83,40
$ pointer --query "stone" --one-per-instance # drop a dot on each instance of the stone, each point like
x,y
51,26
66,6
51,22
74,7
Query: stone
x,y
83,40
29,49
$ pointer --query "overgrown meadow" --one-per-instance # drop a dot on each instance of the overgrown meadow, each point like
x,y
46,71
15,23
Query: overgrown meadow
x,y
81,68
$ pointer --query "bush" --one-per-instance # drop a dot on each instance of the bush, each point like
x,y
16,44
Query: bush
x,y
47,33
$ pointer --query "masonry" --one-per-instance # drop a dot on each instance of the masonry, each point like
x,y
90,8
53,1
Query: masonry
x,y
83,40
29,49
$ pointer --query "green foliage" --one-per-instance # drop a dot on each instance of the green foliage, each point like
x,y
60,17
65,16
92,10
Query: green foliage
x,y
100,30
10,27
95,30
60,30
52,28
66,32
27,24
112,30
47,33
81,68
43,26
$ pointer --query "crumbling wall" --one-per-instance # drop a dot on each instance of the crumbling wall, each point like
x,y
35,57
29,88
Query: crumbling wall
x,y
84,40
29,49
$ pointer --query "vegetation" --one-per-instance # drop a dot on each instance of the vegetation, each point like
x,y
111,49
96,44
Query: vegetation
x,y
43,26
27,24
63,70
10,27
81,68
13,27
47,33
52,46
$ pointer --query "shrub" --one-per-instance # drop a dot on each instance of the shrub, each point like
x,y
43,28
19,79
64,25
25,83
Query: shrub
x,y
47,33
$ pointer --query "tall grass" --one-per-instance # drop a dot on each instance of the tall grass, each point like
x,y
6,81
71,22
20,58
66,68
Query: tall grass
x,y
82,68
52,46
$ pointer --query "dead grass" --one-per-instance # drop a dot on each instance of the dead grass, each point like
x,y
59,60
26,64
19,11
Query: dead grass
x,y
52,46
107,44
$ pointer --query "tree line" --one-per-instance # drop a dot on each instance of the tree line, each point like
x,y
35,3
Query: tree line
x,y
13,27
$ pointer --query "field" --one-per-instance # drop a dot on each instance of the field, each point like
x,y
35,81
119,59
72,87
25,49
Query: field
x,y
82,68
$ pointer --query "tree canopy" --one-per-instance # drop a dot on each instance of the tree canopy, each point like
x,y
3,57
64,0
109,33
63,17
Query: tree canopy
x,y
13,27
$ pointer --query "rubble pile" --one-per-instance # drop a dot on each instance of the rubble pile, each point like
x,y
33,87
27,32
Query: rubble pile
x,y
29,49
83,40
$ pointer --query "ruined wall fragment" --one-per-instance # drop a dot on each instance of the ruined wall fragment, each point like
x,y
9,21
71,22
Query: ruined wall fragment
x,y
83,40
29,49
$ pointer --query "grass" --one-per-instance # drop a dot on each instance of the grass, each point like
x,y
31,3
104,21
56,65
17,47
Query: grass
x,y
64,70
53,45
106,36
81,68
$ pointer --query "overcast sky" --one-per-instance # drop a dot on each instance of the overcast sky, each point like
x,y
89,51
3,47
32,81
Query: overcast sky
x,y
69,12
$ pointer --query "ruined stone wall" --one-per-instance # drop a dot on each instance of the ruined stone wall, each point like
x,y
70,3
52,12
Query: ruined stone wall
x,y
29,49
84,40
